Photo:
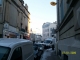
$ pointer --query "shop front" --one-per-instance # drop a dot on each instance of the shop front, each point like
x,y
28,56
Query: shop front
x,y
26,36
10,32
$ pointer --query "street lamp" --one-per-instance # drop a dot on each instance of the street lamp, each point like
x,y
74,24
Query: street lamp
x,y
53,3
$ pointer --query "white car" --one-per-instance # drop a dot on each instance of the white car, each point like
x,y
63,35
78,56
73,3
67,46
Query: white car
x,y
49,43
16,49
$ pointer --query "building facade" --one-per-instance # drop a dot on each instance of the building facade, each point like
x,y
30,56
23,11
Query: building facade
x,y
32,35
52,28
48,30
68,29
45,30
14,18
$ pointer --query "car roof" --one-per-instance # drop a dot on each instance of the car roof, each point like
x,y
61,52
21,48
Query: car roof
x,y
49,38
39,43
11,42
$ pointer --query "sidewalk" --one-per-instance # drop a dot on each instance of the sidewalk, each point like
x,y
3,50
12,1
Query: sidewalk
x,y
53,57
49,54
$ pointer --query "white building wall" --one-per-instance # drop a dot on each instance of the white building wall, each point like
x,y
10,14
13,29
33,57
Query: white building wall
x,y
45,31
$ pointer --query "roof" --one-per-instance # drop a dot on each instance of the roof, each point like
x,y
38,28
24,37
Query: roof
x,y
11,42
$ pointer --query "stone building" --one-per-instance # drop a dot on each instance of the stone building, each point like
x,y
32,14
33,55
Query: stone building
x,y
52,28
68,29
14,18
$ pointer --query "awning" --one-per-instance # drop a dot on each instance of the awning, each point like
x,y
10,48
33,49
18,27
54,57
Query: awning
x,y
17,34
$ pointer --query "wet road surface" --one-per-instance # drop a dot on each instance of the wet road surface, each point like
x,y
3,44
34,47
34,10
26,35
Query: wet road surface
x,y
49,54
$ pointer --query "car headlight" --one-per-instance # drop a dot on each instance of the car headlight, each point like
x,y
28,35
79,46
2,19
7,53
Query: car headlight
x,y
40,48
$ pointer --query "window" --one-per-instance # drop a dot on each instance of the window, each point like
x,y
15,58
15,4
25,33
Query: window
x,y
0,2
50,29
17,54
78,19
4,52
62,10
51,34
68,3
47,34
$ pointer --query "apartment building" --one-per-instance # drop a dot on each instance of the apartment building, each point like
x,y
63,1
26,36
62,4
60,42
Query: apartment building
x,y
45,30
52,28
68,29
48,30
14,18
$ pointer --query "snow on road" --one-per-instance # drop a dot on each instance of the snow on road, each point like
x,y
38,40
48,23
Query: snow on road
x,y
46,54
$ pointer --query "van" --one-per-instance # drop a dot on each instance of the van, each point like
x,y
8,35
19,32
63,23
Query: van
x,y
16,49
49,43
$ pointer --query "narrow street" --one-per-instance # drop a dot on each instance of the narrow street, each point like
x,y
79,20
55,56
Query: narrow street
x,y
49,54
39,29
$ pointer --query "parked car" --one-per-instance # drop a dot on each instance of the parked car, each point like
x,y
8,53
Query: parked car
x,y
49,43
16,49
40,49
35,52
40,46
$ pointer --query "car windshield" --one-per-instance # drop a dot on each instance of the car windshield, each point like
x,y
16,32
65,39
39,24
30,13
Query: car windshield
x,y
34,47
4,52
38,45
47,41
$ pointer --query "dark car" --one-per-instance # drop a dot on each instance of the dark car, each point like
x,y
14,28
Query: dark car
x,y
40,49
35,52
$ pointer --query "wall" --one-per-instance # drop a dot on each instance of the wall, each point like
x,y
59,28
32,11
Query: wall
x,y
47,29
52,25
15,14
69,30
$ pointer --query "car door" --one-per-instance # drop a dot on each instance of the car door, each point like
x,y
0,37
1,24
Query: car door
x,y
17,54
